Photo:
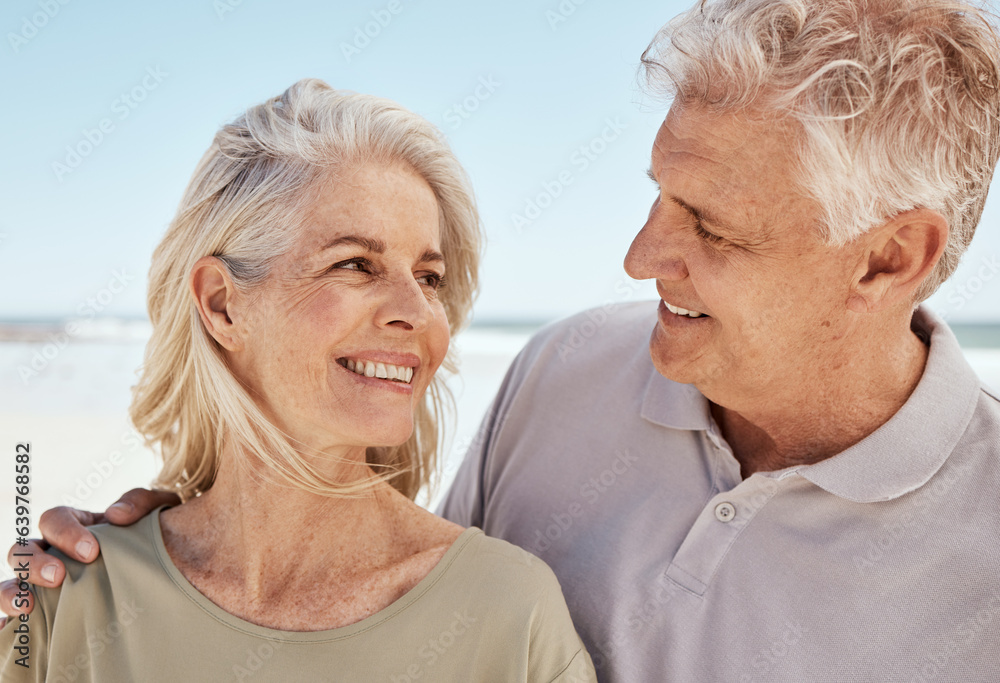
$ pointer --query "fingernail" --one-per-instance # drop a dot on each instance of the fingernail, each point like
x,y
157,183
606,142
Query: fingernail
x,y
49,572
84,548
122,507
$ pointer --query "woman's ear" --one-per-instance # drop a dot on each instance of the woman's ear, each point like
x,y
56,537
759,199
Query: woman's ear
x,y
216,297
900,255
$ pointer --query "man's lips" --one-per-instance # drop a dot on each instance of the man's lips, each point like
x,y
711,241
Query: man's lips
x,y
671,319
677,310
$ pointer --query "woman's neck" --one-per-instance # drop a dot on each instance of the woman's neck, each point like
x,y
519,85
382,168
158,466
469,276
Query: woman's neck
x,y
253,546
251,519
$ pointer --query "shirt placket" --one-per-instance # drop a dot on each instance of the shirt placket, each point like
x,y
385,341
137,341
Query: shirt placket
x,y
720,523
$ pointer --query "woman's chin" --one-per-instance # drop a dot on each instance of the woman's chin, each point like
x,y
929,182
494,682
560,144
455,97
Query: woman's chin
x,y
387,436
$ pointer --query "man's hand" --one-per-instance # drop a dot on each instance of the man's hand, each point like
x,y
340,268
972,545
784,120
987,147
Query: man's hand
x,y
64,528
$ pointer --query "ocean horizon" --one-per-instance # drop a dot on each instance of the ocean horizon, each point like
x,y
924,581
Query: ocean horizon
x,y
66,390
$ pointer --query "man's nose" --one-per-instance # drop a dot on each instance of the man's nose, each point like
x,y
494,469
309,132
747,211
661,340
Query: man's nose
x,y
656,252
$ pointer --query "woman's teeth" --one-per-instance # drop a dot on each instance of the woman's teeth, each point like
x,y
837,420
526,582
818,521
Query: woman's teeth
x,y
396,373
682,311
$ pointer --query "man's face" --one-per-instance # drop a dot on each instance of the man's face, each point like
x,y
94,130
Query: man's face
x,y
732,236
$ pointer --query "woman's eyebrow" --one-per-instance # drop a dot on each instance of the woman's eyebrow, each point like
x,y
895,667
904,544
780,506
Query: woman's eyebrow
x,y
431,256
368,243
377,246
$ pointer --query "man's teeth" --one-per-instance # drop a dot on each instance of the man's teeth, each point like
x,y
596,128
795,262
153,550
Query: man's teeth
x,y
397,373
683,311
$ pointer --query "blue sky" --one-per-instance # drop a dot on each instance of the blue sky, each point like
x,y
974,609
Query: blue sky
x,y
539,99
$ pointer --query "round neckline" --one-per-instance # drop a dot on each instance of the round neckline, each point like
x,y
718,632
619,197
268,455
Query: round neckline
x,y
370,622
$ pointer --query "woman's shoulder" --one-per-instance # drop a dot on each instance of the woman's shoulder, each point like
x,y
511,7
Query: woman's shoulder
x,y
505,556
525,604
506,570
127,556
122,544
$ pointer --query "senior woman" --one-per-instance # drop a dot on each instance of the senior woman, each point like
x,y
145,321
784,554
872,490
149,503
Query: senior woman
x,y
302,301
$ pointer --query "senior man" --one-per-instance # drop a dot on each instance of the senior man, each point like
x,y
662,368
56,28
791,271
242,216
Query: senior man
x,y
795,476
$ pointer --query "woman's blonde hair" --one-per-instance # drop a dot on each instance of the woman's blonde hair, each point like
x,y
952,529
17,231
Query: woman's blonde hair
x,y
243,205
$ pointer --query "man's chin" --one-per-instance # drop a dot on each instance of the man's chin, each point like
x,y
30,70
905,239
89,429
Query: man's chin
x,y
671,362
675,369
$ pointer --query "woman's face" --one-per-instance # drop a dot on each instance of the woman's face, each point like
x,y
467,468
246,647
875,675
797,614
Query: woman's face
x,y
342,340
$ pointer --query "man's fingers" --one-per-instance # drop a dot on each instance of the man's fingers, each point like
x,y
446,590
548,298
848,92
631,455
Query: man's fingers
x,y
138,503
10,595
34,565
63,528
35,546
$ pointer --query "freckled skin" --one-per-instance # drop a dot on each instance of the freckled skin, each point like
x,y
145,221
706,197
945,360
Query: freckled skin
x,y
785,357
309,315
280,557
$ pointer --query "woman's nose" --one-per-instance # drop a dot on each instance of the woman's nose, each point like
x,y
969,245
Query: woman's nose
x,y
406,305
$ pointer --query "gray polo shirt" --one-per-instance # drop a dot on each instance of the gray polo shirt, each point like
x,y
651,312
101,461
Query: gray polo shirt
x,y
881,563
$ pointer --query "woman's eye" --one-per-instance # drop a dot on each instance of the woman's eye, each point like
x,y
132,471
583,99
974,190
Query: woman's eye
x,y
352,264
432,280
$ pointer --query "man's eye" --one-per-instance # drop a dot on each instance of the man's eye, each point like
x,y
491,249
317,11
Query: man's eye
x,y
705,234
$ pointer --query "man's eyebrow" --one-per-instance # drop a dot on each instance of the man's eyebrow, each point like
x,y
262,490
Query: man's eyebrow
x,y
373,245
700,215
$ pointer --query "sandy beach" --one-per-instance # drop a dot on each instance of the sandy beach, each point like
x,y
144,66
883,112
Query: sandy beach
x,y
73,411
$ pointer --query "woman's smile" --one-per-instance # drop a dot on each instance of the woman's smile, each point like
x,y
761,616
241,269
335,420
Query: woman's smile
x,y
383,370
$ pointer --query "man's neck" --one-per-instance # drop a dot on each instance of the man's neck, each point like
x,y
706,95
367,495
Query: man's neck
x,y
818,418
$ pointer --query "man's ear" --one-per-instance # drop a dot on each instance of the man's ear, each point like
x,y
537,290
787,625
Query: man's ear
x,y
898,257
215,296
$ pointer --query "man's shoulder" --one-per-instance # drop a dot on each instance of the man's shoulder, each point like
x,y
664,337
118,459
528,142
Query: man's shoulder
x,y
990,399
595,336
598,355
982,433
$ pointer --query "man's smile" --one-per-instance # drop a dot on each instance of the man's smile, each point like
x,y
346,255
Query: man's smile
x,y
677,310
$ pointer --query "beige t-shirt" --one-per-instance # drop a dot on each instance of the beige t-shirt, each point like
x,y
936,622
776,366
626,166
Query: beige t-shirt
x,y
488,611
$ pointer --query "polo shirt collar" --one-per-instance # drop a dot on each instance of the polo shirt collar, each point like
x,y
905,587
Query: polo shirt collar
x,y
905,452
897,458
670,404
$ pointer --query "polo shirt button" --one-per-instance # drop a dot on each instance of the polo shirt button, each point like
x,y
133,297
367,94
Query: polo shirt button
x,y
724,512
